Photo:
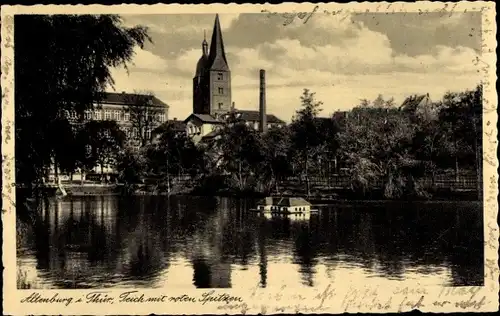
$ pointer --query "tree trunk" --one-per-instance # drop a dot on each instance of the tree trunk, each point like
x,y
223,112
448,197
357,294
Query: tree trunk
x,y
168,176
328,173
307,177
239,176
275,181
433,177
102,172
56,171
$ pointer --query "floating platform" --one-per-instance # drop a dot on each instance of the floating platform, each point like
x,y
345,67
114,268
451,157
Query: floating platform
x,y
284,205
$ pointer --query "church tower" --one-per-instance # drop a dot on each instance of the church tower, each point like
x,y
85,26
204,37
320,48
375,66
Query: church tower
x,y
212,81
200,83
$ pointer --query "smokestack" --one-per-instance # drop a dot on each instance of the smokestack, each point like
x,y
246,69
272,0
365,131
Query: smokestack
x,y
262,102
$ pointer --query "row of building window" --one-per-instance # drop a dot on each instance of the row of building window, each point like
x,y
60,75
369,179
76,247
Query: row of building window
x,y
194,129
115,115
133,133
256,124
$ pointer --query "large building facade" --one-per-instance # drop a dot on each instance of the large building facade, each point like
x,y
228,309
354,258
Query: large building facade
x,y
137,115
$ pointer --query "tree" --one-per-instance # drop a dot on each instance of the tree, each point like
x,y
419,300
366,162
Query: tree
x,y
85,161
305,135
380,102
65,74
275,145
376,144
173,153
67,143
131,166
239,153
428,141
461,117
144,115
105,141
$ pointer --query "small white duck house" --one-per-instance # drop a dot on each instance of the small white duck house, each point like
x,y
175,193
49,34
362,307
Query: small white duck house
x,y
286,205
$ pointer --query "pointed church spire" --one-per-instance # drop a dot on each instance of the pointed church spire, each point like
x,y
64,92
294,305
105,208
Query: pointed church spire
x,y
217,57
205,44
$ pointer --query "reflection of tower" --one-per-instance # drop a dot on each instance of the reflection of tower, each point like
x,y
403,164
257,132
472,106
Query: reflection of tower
x,y
262,258
304,251
201,273
210,269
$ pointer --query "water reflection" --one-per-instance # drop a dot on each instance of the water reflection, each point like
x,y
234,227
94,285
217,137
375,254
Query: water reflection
x,y
216,243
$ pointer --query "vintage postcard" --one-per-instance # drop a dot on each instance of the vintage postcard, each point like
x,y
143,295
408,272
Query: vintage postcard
x,y
245,159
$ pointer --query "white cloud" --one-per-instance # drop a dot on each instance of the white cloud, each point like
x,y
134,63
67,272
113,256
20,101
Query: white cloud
x,y
146,60
369,52
227,20
359,63
458,60
337,23
187,61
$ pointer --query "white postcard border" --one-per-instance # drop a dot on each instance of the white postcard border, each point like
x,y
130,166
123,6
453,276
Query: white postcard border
x,y
332,299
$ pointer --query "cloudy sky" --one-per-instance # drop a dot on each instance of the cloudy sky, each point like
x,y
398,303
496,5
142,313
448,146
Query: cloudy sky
x,y
341,58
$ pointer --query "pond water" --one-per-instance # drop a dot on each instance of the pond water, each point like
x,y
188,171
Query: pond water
x,y
187,242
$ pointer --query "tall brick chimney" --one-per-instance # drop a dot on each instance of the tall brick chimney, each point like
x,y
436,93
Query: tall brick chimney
x,y
262,102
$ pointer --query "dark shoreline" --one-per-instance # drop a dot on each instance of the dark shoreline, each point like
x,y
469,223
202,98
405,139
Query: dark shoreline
x,y
326,198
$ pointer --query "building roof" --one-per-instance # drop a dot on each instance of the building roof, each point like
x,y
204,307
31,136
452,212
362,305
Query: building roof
x,y
414,101
286,201
246,115
217,56
177,125
130,99
174,125
340,114
205,118
249,115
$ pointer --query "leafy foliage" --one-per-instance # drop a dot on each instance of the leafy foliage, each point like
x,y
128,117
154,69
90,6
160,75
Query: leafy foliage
x,y
239,153
306,136
103,141
173,153
62,66
378,144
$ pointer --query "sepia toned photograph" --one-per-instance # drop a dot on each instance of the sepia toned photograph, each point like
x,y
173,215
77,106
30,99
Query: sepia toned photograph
x,y
214,150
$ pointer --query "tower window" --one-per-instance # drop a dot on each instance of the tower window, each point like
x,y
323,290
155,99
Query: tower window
x,y
220,105
221,90
220,76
